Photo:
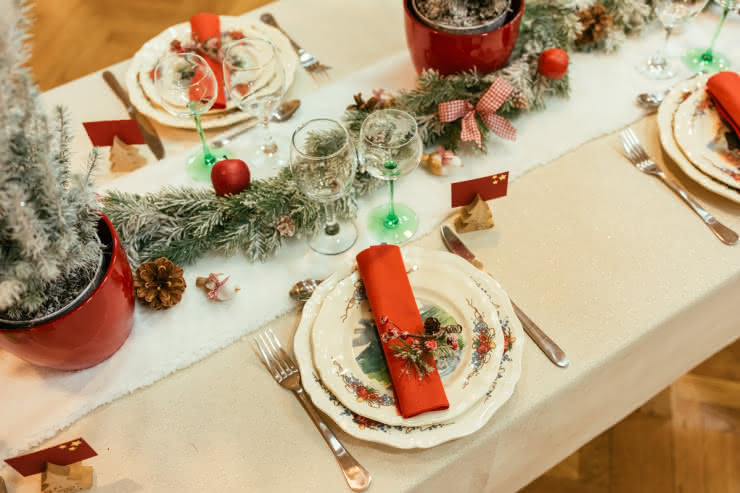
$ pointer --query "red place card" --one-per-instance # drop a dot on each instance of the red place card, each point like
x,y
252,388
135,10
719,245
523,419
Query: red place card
x,y
488,187
102,133
63,454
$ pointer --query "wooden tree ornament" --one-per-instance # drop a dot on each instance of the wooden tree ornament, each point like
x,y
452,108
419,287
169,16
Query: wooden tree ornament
x,y
474,216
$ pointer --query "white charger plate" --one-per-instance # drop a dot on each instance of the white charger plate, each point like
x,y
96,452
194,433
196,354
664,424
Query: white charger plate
x,y
348,354
406,437
137,78
666,112
700,133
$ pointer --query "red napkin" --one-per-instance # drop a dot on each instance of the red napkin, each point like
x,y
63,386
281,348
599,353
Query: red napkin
x,y
724,89
390,295
102,133
203,27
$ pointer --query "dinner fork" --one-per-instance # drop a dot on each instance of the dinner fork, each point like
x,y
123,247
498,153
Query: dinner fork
x,y
285,372
307,60
639,157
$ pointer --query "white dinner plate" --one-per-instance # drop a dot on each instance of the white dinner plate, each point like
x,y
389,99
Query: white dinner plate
x,y
349,357
703,137
666,112
406,437
141,89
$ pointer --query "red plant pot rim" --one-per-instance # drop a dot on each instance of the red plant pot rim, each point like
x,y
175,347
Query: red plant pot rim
x,y
519,12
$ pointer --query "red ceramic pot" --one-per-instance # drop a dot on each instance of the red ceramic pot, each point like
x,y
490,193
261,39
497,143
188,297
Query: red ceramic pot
x,y
452,53
90,332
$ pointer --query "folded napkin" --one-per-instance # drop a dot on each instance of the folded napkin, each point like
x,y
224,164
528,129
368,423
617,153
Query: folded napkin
x,y
205,26
392,301
724,89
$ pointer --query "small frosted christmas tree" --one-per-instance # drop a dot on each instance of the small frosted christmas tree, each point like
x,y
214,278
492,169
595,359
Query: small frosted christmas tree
x,y
49,249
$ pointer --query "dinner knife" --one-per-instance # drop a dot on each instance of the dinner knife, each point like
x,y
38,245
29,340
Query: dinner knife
x,y
547,345
150,134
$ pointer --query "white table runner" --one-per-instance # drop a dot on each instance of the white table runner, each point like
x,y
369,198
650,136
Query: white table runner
x,y
39,402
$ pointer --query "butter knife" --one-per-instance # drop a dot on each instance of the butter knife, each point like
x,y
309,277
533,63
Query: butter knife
x,y
150,134
547,345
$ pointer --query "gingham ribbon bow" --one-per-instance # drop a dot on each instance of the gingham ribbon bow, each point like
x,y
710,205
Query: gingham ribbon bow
x,y
213,293
491,101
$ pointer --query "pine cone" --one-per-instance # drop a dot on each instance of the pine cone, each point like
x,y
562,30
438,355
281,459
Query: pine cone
x,y
159,284
431,325
362,105
595,21
285,226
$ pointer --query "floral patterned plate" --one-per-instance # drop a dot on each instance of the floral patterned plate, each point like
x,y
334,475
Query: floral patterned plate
x,y
149,54
347,350
426,436
666,113
706,140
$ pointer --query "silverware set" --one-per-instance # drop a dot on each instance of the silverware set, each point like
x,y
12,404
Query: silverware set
x,y
285,372
642,161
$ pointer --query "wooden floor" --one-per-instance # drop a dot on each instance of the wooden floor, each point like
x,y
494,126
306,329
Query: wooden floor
x,y
686,440
75,37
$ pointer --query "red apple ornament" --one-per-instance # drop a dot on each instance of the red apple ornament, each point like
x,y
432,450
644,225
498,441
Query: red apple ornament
x,y
553,63
230,176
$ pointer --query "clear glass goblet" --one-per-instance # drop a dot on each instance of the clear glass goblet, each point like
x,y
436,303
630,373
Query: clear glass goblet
x,y
390,147
255,81
187,88
672,14
323,162
707,60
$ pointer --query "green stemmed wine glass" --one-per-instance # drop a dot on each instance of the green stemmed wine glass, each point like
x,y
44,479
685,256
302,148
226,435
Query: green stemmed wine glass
x,y
390,147
708,60
187,88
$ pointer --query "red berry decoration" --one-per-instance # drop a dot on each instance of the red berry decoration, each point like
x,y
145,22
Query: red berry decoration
x,y
553,63
230,176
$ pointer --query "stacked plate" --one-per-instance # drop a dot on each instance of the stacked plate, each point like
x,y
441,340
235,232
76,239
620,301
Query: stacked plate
x,y
696,138
343,367
141,86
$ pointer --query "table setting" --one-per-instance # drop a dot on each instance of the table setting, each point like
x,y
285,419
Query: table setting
x,y
311,205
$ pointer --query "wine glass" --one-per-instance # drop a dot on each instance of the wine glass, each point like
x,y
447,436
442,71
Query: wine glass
x,y
187,88
707,60
323,162
255,80
672,13
390,147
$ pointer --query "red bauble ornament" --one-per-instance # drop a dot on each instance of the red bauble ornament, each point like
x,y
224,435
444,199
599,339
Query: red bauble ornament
x,y
230,176
553,63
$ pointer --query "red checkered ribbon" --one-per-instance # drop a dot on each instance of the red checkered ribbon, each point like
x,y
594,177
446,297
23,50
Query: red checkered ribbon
x,y
491,101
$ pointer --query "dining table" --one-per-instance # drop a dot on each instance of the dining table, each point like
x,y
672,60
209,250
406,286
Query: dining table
x,y
608,261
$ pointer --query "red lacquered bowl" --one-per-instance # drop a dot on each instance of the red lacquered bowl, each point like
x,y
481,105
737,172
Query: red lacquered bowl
x,y
452,53
93,330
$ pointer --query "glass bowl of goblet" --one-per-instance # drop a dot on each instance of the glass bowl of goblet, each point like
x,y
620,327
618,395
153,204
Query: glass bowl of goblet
x,y
390,147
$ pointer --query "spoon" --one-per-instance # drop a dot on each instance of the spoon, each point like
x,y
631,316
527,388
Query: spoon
x,y
284,112
302,290
651,100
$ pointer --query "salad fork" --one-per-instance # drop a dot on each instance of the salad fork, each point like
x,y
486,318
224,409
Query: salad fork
x,y
639,157
284,371
307,60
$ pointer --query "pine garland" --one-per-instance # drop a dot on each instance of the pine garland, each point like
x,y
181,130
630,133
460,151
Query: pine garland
x,y
184,223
